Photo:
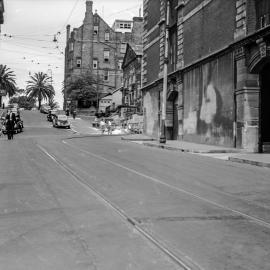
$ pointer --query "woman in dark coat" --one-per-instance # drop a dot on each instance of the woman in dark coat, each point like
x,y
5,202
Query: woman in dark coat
x,y
9,127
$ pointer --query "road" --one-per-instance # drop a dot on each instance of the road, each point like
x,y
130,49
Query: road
x,y
70,201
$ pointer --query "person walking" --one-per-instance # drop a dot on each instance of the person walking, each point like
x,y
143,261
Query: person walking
x,y
109,127
74,113
102,125
9,127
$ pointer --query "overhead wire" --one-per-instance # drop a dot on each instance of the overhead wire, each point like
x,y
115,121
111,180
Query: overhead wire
x,y
69,16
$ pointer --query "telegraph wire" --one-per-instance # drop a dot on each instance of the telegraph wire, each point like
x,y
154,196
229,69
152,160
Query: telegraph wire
x,y
69,16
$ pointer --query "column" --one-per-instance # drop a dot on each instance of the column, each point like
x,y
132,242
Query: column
x,y
247,104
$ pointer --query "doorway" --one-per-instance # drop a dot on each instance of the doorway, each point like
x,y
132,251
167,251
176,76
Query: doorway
x,y
265,110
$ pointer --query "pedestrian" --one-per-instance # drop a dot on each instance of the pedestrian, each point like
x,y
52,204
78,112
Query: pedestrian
x,y
109,127
102,125
74,114
67,112
9,127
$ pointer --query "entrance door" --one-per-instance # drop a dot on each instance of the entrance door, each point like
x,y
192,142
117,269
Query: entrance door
x,y
265,109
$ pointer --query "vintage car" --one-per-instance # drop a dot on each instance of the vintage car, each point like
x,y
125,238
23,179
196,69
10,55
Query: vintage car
x,y
18,126
45,109
60,120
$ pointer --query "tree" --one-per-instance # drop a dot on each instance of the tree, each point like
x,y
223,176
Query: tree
x,y
53,104
24,102
39,87
7,81
82,88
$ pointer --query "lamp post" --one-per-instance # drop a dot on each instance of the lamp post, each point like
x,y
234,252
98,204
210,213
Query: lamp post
x,y
162,138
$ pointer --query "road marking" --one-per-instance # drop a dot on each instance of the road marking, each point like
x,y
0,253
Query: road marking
x,y
153,179
123,215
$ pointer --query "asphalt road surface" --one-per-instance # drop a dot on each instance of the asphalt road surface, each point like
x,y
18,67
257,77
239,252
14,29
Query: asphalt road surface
x,y
70,201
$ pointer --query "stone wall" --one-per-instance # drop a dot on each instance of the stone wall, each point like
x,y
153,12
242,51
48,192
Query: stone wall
x,y
151,100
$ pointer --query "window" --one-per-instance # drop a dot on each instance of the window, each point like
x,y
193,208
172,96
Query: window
x,y
71,63
123,48
106,56
79,62
95,30
121,25
263,21
262,13
95,64
120,62
106,75
71,46
126,99
107,36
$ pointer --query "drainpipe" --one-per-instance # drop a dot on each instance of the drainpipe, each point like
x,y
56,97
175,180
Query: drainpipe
x,y
235,121
260,143
162,138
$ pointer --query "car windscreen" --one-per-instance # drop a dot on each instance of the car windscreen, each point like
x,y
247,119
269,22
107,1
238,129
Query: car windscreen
x,y
62,117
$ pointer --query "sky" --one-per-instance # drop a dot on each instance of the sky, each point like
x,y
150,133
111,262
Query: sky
x,y
26,39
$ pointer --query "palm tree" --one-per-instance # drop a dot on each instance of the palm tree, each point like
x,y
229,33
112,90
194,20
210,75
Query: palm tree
x,y
52,103
40,87
7,81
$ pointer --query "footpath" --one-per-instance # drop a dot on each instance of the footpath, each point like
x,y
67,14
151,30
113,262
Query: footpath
x,y
231,154
83,125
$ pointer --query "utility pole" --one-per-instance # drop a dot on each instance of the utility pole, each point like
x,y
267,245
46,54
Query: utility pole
x,y
162,138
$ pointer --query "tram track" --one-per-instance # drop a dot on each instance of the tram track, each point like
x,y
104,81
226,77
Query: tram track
x,y
259,221
184,262
181,259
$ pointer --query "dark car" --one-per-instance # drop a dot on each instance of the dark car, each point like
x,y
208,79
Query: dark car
x,y
18,127
51,115
45,109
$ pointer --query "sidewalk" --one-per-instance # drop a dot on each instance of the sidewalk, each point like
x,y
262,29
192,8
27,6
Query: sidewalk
x,y
225,153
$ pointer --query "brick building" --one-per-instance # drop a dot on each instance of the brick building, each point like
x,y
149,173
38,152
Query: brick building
x,y
132,65
98,49
218,71
1,13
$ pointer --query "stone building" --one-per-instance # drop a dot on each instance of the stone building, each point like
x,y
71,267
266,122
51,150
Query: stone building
x,y
132,65
218,71
97,49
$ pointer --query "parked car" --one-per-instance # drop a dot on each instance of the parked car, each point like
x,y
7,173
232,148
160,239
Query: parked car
x,y
18,127
45,108
60,120
51,115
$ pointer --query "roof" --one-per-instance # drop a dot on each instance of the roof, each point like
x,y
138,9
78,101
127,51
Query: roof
x,y
132,52
116,90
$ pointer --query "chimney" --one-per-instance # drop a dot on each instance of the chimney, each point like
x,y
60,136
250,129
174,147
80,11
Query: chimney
x,y
89,6
68,32
89,12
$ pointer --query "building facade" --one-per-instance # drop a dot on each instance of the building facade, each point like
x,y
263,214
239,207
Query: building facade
x,y
105,102
218,71
97,49
1,13
132,79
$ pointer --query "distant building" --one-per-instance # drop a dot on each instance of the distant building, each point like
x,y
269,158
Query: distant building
x,y
122,26
97,49
218,71
132,65
105,102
